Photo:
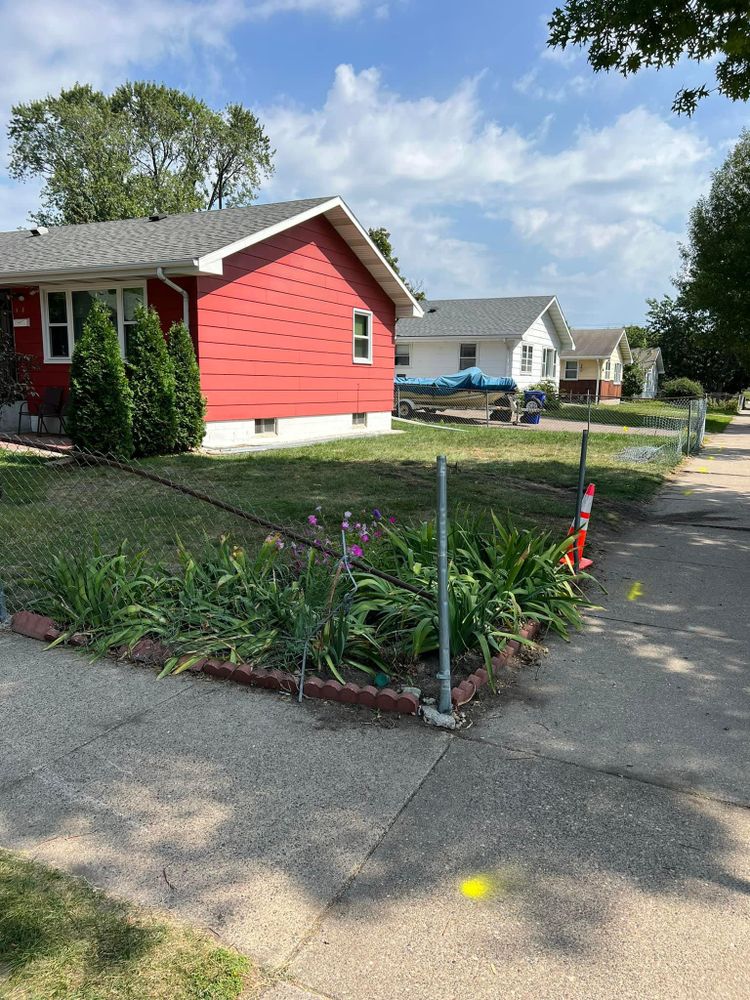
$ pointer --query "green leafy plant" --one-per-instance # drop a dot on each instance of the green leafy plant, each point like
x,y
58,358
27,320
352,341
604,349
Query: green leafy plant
x,y
152,383
633,380
681,387
101,404
550,388
190,405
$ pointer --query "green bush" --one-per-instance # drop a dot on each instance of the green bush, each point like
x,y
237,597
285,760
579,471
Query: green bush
x,y
682,387
633,380
189,402
101,406
152,384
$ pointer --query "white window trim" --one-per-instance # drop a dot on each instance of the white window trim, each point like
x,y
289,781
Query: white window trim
x,y
527,349
618,373
88,286
476,354
407,348
355,313
607,372
564,377
271,433
546,352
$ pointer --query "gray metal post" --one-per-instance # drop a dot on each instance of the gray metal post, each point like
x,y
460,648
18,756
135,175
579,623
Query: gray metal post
x,y
4,616
487,406
690,421
579,498
444,673
588,408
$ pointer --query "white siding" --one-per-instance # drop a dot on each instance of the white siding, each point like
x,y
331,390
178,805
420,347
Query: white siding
x,y
540,334
431,358
650,383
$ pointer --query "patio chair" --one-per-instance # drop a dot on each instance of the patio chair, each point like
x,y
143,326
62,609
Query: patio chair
x,y
52,404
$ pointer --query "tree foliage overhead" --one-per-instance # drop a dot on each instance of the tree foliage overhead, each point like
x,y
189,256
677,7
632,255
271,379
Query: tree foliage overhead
x,y
382,240
629,35
144,149
715,280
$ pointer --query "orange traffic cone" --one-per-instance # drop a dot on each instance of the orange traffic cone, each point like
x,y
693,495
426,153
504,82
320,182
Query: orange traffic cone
x,y
586,504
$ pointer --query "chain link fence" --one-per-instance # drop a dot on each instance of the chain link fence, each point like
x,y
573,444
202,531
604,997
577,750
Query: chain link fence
x,y
653,430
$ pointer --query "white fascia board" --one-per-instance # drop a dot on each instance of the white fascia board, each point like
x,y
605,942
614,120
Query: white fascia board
x,y
561,324
624,345
113,271
406,304
418,338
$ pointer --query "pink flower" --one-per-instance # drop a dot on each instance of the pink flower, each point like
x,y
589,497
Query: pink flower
x,y
365,537
391,519
312,519
356,551
345,525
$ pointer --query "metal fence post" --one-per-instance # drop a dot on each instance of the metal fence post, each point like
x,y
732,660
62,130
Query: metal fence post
x,y
487,406
588,408
579,498
690,424
444,673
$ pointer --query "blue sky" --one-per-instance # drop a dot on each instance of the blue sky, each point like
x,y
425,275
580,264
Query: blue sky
x,y
499,167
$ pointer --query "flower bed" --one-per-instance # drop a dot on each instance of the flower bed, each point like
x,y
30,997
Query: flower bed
x,y
363,625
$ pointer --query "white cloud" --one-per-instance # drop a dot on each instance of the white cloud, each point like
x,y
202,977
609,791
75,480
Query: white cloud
x,y
613,198
334,8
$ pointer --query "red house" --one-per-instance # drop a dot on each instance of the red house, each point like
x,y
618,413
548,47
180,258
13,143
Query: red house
x,y
291,307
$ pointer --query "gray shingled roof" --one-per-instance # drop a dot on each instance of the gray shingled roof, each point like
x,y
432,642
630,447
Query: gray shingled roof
x,y
646,356
596,343
136,242
506,317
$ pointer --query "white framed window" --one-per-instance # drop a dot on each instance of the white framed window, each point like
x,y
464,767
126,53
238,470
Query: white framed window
x,y
571,371
359,420
549,362
607,374
618,373
65,311
527,359
362,337
403,355
467,356
265,425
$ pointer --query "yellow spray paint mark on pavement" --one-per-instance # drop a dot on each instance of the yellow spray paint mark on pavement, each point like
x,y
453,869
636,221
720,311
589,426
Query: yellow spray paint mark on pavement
x,y
477,887
635,591
688,493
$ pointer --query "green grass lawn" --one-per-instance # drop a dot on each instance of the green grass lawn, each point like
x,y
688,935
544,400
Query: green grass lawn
x,y
716,422
51,507
60,939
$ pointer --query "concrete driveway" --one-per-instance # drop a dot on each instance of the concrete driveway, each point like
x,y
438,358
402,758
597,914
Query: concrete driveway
x,y
598,818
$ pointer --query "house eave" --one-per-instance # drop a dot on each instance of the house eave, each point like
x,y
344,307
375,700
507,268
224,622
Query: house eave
x,y
114,271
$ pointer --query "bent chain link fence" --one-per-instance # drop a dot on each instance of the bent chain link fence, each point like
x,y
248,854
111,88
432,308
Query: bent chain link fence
x,y
655,431
55,502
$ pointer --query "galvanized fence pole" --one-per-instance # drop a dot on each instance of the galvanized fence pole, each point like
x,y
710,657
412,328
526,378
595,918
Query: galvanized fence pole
x,y
579,498
444,673
487,406
588,409
689,428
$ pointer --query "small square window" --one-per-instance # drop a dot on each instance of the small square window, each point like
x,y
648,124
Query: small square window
x,y
403,355
571,371
467,356
362,352
527,359
265,425
359,420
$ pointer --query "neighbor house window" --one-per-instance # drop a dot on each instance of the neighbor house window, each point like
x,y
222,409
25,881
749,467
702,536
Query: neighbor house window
x,y
359,420
571,371
549,362
527,359
362,353
607,370
403,357
467,356
66,311
265,425
618,373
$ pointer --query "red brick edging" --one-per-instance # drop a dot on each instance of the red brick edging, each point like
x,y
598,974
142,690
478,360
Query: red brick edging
x,y
36,626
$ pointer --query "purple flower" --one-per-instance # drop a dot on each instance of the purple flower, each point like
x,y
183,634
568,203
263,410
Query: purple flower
x,y
364,537
376,514
345,525
391,519
347,514
312,519
356,551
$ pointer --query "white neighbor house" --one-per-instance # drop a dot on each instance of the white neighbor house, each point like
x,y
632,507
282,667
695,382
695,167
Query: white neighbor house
x,y
519,337
650,360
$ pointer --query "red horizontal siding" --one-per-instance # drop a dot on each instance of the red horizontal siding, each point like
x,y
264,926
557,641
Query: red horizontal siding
x,y
275,331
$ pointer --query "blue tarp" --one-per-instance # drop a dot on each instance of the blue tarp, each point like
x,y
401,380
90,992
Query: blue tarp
x,y
445,385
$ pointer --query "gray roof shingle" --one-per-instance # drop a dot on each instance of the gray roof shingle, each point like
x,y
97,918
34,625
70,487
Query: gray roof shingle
x,y
134,242
505,317
646,356
595,343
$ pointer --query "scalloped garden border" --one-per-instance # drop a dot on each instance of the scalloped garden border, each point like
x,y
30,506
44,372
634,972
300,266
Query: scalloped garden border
x,y
35,626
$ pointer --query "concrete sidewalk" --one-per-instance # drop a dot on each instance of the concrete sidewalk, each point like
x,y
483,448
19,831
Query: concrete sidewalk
x,y
601,811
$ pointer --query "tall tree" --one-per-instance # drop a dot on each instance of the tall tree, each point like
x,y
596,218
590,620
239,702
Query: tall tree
x,y
382,240
152,384
637,336
189,400
628,35
144,149
715,278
